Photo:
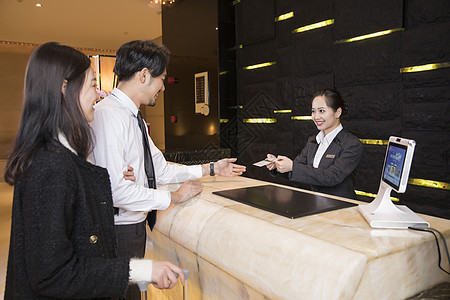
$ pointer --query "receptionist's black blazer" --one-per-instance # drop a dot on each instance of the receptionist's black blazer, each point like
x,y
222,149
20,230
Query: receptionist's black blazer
x,y
336,172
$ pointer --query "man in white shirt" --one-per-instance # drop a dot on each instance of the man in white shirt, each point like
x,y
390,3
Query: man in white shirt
x,y
141,70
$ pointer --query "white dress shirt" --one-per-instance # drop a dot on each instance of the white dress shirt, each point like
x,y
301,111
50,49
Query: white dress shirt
x,y
324,141
118,144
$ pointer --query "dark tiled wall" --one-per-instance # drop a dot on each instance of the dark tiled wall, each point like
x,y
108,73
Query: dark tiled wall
x,y
383,101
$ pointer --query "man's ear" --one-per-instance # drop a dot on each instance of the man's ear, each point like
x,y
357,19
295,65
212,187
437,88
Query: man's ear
x,y
63,87
144,74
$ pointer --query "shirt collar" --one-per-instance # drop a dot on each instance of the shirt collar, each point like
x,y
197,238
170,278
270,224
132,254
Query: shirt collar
x,y
63,140
125,100
320,137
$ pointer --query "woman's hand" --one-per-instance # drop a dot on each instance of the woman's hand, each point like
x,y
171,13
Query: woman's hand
x,y
129,174
163,275
271,166
283,164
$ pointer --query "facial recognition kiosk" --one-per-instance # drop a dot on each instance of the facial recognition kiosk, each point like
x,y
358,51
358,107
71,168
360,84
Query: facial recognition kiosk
x,y
381,212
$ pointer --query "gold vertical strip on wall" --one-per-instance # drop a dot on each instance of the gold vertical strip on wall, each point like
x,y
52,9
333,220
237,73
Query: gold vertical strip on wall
x,y
301,118
427,67
261,65
260,121
368,36
314,26
361,193
283,111
284,16
429,183
374,142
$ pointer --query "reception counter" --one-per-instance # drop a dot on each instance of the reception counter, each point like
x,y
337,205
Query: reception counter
x,y
236,251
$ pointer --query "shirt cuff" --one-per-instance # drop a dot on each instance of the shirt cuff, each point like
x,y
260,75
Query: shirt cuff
x,y
164,199
196,171
141,270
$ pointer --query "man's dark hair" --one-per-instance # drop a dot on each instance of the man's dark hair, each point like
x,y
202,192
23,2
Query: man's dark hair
x,y
136,55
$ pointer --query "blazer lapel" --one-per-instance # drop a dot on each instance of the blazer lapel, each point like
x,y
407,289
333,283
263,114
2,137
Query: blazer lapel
x,y
332,152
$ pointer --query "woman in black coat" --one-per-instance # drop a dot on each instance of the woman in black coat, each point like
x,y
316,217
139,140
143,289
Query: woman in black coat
x,y
329,159
63,243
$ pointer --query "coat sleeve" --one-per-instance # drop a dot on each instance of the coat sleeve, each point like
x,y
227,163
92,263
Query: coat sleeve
x,y
302,157
345,163
53,266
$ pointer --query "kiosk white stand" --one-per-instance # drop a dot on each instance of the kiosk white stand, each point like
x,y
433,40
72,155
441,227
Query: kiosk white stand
x,y
381,212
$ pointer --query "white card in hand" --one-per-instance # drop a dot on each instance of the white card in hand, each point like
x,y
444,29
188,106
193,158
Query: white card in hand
x,y
264,162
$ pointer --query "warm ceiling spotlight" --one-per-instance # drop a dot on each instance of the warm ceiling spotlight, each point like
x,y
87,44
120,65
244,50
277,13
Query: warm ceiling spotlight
x,y
38,5
161,2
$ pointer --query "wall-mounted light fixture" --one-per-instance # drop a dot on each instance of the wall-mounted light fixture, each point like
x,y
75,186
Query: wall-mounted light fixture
x,y
172,80
283,111
314,26
361,193
427,67
284,16
260,121
301,118
429,183
368,36
374,142
261,65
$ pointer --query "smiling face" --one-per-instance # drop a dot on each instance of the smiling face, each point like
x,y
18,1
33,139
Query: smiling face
x,y
88,95
325,118
155,85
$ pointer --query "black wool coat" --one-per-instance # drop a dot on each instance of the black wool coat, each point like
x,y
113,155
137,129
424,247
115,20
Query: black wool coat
x,y
63,241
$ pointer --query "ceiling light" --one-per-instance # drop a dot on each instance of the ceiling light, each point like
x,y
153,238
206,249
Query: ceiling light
x,y
161,2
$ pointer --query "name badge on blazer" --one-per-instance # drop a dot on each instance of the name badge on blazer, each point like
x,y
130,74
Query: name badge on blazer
x,y
330,156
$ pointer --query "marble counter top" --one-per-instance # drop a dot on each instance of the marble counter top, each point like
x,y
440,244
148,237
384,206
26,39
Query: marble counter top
x,y
332,255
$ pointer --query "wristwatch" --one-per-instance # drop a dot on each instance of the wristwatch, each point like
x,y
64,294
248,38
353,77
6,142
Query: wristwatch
x,y
211,169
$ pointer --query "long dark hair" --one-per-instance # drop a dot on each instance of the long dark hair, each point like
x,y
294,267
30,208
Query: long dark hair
x,y
46,111
333,99
136,55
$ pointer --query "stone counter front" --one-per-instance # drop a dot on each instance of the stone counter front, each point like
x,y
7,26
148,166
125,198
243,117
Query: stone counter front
x,y
235,251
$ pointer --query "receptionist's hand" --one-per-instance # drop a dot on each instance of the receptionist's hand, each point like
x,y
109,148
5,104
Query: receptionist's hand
x,y
283,164
272,165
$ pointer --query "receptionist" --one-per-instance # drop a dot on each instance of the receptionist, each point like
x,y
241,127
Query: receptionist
x,y
329,159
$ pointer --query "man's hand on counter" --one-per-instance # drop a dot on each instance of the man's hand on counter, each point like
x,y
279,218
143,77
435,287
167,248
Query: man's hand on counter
x,y
186,191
